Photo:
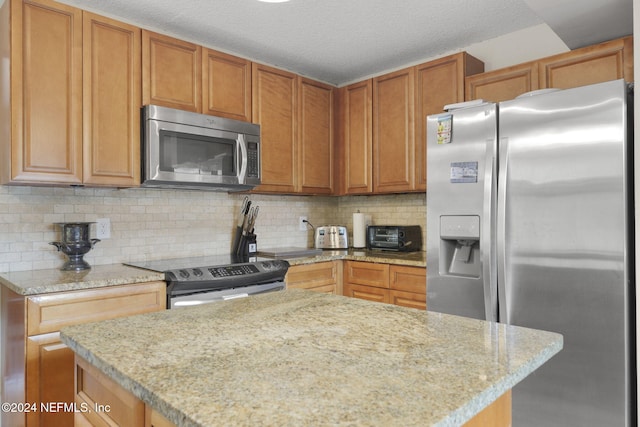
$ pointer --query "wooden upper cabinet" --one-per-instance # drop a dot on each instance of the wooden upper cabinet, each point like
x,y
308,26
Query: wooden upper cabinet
x,y
356,140
112,101
274,109
171,72
611,60
315,148
602,62
45,119
438,83
226,85
503,84
393,127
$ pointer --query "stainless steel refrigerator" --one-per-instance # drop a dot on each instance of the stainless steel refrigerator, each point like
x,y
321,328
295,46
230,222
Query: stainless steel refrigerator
x,y
530,223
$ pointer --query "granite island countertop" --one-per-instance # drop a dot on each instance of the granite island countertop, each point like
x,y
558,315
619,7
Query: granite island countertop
x,y
309,359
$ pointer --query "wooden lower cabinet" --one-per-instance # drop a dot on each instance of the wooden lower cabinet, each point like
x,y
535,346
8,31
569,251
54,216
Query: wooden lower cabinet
x,y
320,276
393,284
39,368
102,402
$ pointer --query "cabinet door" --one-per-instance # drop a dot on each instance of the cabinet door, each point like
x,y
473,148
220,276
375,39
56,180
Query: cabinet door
x,y
502,84
112,102
407,278
321,277
226,85
356,127
274,109
171,72
393,127
438,83
367,273
50,379
46,92
315,125
593,64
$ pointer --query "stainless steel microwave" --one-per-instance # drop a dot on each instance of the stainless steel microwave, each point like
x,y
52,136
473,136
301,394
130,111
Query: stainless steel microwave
x,y
188,150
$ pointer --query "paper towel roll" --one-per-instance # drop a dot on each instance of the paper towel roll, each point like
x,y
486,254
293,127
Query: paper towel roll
x,y
360,222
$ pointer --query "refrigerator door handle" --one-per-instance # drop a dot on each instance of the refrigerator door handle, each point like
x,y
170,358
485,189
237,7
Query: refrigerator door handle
x,y
501,230
487,242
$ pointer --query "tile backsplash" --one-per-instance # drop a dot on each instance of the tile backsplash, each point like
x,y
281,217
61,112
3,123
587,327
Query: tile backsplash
x,y
154,224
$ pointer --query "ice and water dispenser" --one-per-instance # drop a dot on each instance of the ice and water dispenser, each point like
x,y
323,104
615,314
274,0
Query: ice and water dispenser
x,y
460,246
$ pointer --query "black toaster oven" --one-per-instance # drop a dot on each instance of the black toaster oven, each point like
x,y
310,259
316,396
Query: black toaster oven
x,y
402,238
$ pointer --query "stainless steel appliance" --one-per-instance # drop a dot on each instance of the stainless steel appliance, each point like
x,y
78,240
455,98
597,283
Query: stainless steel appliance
x,y
201,280
402,238
331,237
182,149
530,222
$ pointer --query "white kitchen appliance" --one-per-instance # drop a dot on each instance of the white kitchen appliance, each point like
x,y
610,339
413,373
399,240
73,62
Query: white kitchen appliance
x,y
530,223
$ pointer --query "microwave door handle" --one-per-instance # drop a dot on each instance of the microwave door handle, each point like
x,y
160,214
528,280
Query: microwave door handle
x,y
242,158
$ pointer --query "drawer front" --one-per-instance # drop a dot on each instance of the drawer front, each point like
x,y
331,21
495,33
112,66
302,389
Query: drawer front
x,y
312,275
409,279
368,293
50,312
367,273
408,299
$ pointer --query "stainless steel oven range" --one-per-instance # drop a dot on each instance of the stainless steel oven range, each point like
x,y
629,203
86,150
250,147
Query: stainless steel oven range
x,y
201,280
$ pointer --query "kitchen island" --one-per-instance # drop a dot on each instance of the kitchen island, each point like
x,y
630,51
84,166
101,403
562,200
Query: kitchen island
x,y
304,358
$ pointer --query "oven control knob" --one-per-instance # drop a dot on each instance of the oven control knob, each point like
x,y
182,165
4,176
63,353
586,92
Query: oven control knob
x,y
183,273
197,272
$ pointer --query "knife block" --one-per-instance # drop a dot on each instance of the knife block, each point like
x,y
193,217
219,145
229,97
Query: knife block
x,y
247,245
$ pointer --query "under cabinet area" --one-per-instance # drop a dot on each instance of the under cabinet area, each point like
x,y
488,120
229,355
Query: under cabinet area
x,y
392,284
43,371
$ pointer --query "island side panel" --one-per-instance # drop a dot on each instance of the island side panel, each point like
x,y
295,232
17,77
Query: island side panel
x,y
13,330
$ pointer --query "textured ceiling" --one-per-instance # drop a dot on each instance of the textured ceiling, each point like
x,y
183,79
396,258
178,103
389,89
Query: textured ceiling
x,y
336,41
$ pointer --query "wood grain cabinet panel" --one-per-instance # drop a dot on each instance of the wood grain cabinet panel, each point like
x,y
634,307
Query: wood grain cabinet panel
x,y
320,276
74,115
45,371
393,127
356,138
112,101
46,93
316,149
226,85
275,110
171,72
394,284
611,60
503,84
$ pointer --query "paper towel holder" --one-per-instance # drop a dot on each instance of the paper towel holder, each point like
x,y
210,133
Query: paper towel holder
x,y
360,223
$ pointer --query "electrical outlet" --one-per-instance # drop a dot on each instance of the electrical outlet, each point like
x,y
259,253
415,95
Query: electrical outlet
x,y
302,225
103,228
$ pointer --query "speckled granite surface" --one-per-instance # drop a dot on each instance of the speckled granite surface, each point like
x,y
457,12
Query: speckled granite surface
x,y
300,358
54,280
415,259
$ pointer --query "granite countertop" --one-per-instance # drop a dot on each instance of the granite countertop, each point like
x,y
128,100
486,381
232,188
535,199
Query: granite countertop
x,y
55,280
415,259
303,358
